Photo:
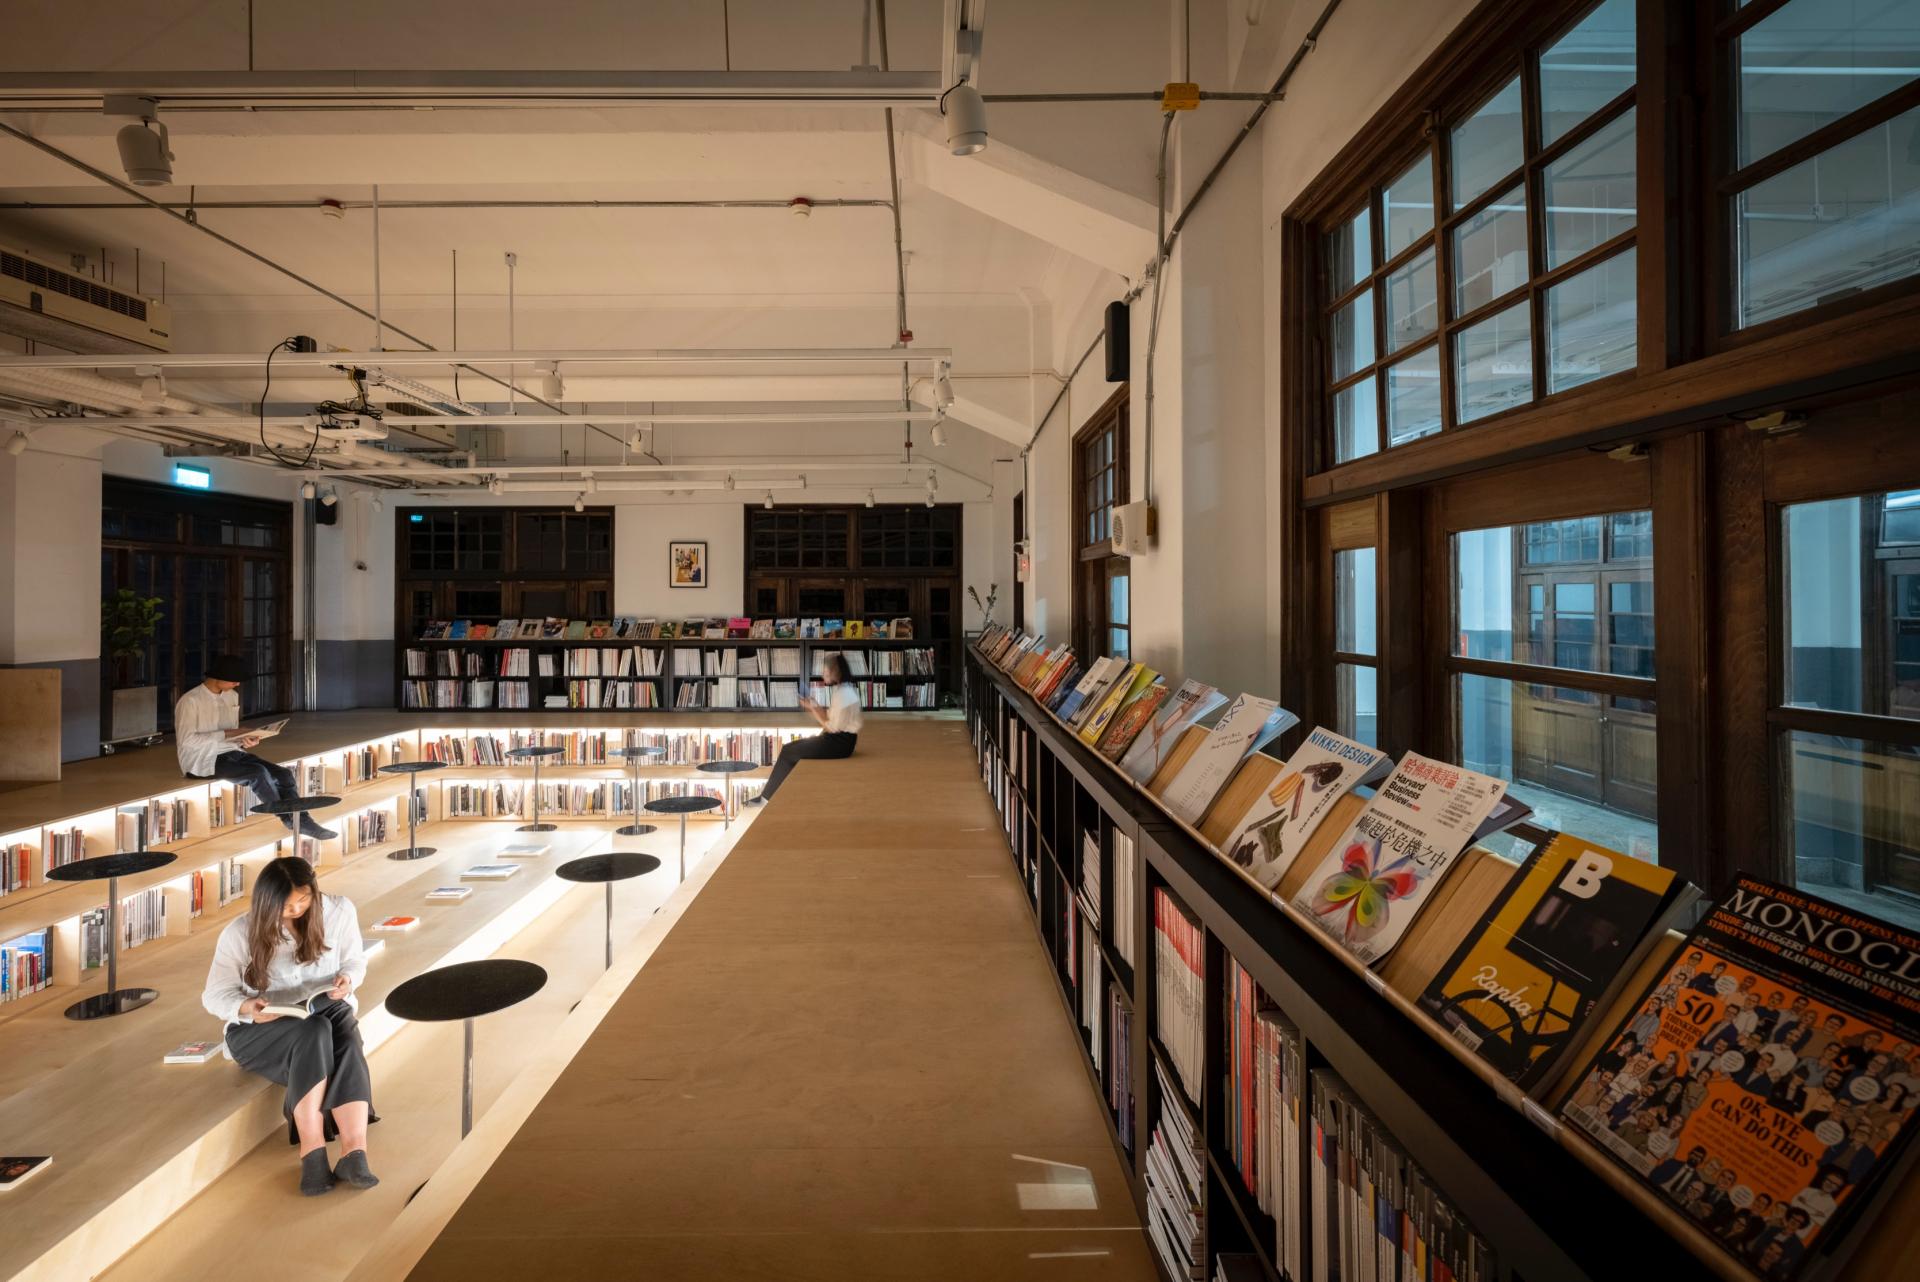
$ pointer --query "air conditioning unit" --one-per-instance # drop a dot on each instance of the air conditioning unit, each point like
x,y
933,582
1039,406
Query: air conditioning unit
x,y
51,302
1133,528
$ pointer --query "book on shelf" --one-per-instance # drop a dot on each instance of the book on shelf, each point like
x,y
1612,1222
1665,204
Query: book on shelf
x,y
855,630
1277,825
903,628
15,1171
786,629
1093,688
447,893
1559,942
26,964
1766,1056
1376,877
1120,922
1265,1087
833,629
599,630
530,630
1247,725
760,630
739,629
1137,677
1190,704
1175,1176
693,629
199,1052
490,872
506,629
1132,719
16,866
396,925
1178,1013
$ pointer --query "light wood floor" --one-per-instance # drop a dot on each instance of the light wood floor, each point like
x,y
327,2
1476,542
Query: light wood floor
x,y
847,1060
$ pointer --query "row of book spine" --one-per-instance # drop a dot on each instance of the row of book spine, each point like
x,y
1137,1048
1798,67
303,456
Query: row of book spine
x,y
26,964
595,692
1175,1169
632,661
1179,1020
1264,1086
16,867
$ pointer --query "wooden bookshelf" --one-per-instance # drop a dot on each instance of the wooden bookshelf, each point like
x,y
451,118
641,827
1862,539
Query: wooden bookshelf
x,y
1549,1203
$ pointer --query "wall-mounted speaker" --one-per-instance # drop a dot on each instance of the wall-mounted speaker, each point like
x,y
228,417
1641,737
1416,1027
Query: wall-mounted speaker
x,y
1118,335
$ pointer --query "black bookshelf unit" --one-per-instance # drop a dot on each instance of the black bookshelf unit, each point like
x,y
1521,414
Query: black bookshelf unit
x,y
1546,1213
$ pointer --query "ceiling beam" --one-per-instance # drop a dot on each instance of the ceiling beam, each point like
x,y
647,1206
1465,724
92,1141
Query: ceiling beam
x,y
926,356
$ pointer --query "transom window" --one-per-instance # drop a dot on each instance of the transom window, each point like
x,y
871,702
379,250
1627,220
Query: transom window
x,y
1524,284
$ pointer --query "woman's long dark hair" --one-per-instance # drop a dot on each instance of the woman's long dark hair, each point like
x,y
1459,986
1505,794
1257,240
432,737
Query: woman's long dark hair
x,y
835,671
265,930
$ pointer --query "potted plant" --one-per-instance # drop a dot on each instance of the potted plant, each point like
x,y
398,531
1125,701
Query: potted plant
x,y
128,622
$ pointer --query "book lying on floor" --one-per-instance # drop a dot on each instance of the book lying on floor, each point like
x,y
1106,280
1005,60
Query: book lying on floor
x,y
449,892
195,1052
490,872
15,1171
397,923
524,850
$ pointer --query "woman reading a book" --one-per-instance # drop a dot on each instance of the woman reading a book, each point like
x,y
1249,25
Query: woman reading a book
x,y
283,982
838,716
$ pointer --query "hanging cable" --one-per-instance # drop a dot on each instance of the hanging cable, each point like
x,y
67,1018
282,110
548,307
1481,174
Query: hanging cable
x,y
283,345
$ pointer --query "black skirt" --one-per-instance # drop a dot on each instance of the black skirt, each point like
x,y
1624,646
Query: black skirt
x,y
300,1053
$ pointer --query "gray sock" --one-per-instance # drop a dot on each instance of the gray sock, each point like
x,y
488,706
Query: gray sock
x,y
315,1177
353,1169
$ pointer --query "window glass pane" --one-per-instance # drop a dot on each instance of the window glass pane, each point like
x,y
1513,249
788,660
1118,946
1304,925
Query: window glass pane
x,y
1413,397
1353,601
1852,610
1353,337
1593,323
1845,220
1349,253
1493,363
1117,613
1411,301
1591,192
1119,643
1409,206
1490,252
1543,610
1356,421
1585,770
1486,146
1630,536
1816,60
1586,69
1356,709
1855,813
1900,522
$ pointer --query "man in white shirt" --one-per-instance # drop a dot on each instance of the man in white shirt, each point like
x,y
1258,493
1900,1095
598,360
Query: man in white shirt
x,y
211,746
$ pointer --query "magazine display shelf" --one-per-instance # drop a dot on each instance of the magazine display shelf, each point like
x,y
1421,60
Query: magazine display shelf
x,y
1550,1204
666,683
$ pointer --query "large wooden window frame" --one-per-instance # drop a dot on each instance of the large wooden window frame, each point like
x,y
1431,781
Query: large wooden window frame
x,y
1101,481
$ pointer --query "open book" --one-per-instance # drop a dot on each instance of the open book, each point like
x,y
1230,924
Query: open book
x,y
267,731
291,1005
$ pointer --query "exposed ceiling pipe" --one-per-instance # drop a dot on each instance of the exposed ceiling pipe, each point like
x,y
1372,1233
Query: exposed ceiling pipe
x,y
927,356
389,206
718,419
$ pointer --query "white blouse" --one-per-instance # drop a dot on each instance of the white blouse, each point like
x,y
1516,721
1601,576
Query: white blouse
x,y
287,979
843,710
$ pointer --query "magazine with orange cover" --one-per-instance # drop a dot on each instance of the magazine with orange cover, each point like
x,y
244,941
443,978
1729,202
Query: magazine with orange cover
x,y
1765,1083
1132,719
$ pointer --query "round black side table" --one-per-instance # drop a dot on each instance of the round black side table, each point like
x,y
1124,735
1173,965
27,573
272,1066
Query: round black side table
x,y
635,758
466,991
534,755
727,768
412,769
682,806
618,865
111,868
294,806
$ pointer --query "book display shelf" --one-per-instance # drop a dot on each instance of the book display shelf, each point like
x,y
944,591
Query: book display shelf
x,y
51,932
690,674
1277,1103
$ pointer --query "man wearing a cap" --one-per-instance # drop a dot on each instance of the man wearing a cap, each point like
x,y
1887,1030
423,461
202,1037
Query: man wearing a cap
x,y
212,746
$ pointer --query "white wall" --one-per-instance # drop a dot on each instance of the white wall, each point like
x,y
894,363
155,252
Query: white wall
x,y
641,535
50,528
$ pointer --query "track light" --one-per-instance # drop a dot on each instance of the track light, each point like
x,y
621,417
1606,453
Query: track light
x,y
552,386
966,115
145,153
938,434
580,502
767,503
153,388
379,504
943,387
308,490
17,444
929,500
331,497
869,498
496,486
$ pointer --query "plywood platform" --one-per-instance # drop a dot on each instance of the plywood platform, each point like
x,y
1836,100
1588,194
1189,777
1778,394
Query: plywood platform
x,y
847,1060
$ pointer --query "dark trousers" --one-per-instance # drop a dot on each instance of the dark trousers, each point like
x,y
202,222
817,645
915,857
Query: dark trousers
x,y
301,1053
267,780
821,747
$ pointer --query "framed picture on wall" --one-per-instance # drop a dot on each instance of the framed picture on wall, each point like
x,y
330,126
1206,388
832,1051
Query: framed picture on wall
x,y
686,565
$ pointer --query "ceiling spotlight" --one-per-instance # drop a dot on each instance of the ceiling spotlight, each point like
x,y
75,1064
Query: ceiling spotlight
x,y
580,502
153,388
144,150
379,504
933,482
966,115
869,498
308,490
943,386
938,434
17,444
552,386
929,500
331,497
768,502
